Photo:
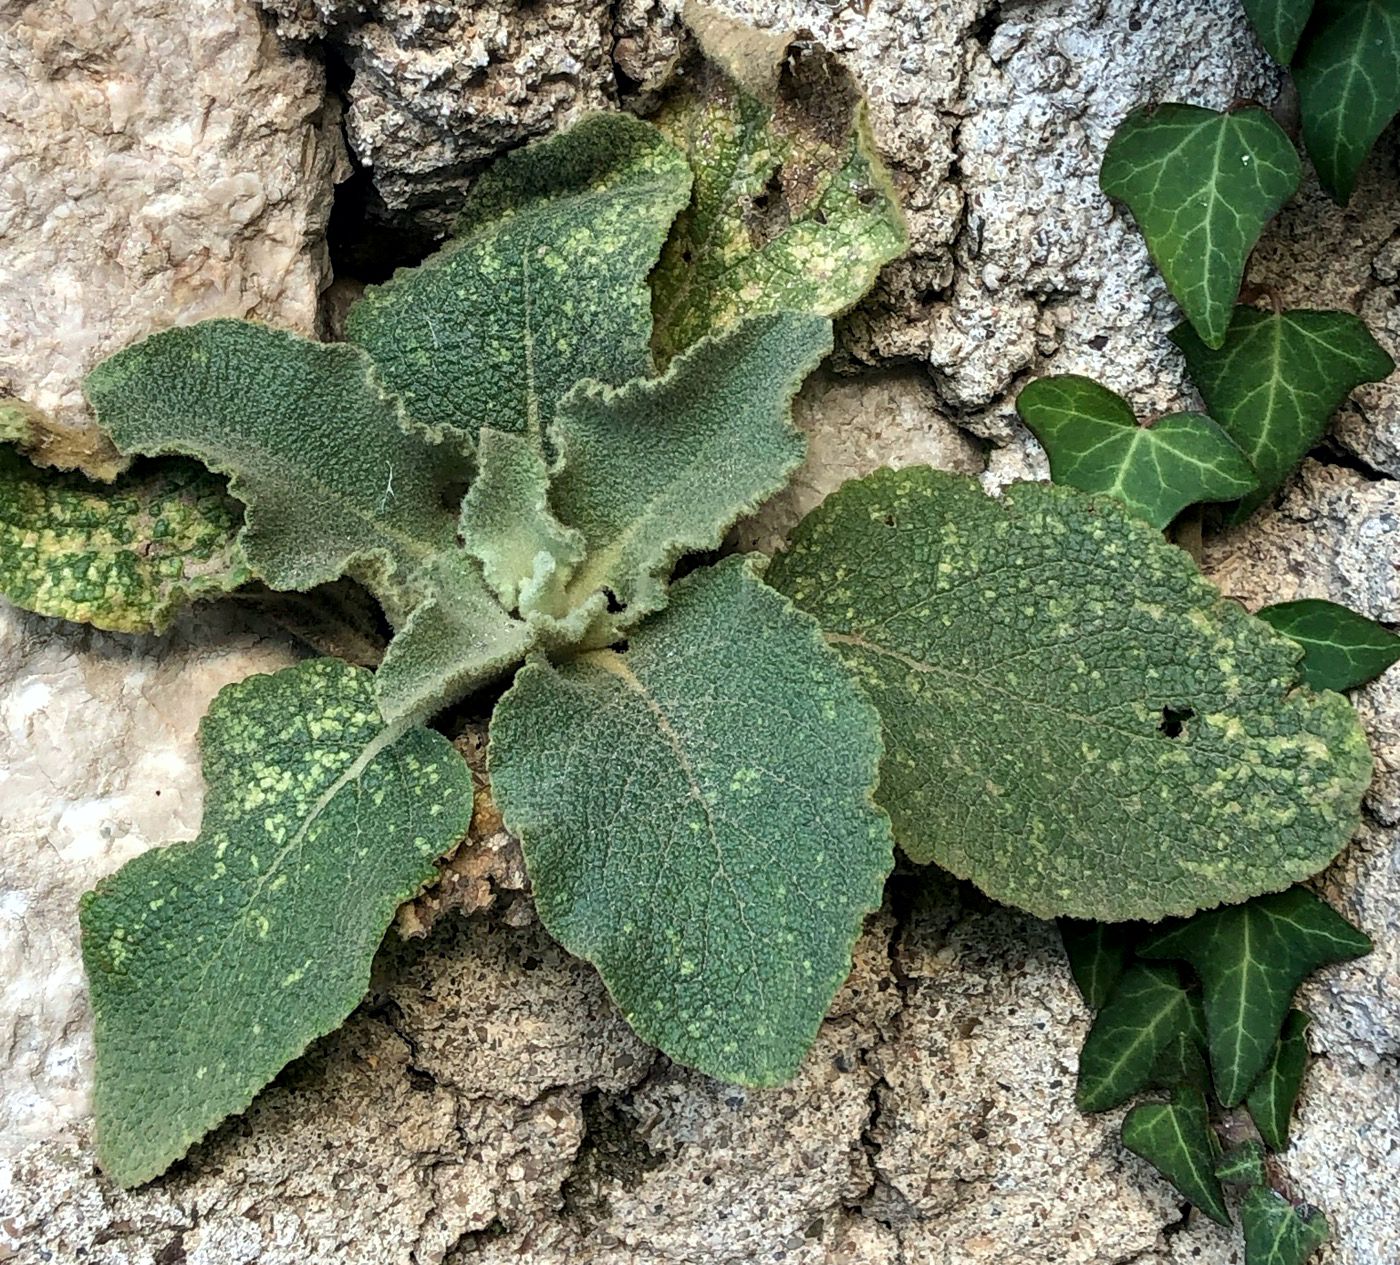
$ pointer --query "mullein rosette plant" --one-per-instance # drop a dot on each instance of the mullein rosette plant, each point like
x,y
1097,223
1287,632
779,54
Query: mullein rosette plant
x,y
512,450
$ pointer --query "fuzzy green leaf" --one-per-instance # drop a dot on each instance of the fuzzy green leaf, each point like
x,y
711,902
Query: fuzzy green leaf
x,y
1074,719
334,480
1348,77
697,821
792,210
1243,1165
1097,953
1176,1139
457,639
1278,1233
124,556
1272,1097
1251,959
1279,24
1201,185
545,283
1148,1009
1096,445
1341,649
525,552
663,466
214,963
1276,381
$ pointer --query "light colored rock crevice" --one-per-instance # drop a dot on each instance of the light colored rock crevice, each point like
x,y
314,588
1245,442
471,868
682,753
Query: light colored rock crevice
x,y
160,162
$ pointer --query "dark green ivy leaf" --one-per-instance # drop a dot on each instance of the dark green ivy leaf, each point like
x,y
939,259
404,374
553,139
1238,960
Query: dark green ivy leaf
x,y
1146,1011
1181,1063
1348,77
1176,1139
1097,952
1201,184
1243,1165
1096,445
1272,1097
1278,1233
1279,24
1341,649
1251,959
1276,381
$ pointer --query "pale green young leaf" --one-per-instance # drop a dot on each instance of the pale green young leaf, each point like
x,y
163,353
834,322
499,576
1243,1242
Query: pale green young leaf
x,y
1243,1165
1146,1011
792,210
214,963
664,466
1251,959
697,821
1097,953
1176,1139
334,481
1272,1097
508,527
1341,649
1278,1233
1276,381
544,284
124,556
457,639
1074,719
1201,184
1279,25
1096,445
1348,77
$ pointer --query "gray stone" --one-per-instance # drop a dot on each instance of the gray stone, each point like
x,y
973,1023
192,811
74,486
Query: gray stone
x,y
162,162
442,85
855,425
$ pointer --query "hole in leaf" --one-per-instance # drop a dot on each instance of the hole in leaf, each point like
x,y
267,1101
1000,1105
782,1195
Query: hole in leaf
x,y
614,606
1174,720
890,520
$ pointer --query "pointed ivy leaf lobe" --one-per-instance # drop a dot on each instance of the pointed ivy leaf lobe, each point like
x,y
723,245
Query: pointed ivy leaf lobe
x,y
1201,184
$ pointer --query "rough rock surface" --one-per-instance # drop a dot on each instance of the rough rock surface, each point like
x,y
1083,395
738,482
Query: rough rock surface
x,y
440,87
160,161
486,1104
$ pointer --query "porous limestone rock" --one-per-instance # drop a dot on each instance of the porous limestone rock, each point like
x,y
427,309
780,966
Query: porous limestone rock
x,y
161,161
855,425
439,86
